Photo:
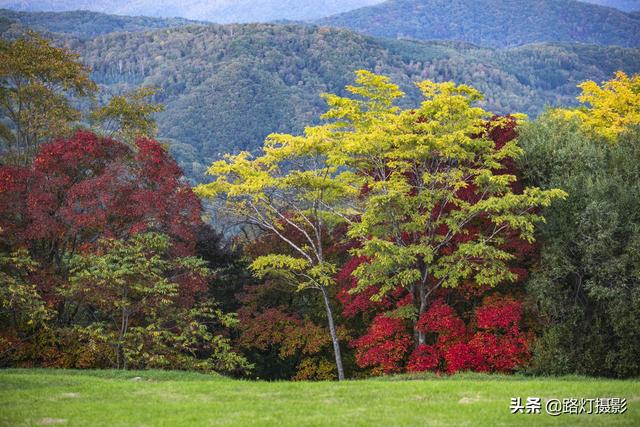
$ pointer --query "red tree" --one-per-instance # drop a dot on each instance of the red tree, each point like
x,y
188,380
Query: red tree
x,y
481,336
87,187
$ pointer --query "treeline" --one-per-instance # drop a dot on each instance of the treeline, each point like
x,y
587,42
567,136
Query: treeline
x,y
99,249
385,239
85,24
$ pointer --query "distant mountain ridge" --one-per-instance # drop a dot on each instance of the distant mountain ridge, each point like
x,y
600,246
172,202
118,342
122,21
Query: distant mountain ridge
x,y
493,23
220,11
225,87
626,5
86,24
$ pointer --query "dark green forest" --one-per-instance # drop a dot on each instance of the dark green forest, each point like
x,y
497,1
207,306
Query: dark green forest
x,y
494,23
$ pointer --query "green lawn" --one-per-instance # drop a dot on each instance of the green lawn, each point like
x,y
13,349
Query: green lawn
x,y
114,398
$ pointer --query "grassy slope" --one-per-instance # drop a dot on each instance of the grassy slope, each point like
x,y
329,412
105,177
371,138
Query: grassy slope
x,y
108,398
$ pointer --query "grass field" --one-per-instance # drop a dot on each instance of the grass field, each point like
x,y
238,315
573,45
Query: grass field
x,y
153,398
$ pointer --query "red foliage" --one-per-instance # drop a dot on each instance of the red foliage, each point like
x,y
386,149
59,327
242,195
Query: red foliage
x,y
385,346
354,304
442,320
87,187
275,327
424,358
462,357
499,313
497,344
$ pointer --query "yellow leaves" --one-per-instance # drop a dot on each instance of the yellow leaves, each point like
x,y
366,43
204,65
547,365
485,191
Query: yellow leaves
x,y
262,265
238,175
431,90
611,107
405,181
375,87
298,271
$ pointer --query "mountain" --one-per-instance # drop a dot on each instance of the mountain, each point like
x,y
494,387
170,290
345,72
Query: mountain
x,y
221,11
493,23
626,5
226,87
89,24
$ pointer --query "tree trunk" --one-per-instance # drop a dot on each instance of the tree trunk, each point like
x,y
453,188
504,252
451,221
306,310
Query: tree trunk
x,y
334,335
422,338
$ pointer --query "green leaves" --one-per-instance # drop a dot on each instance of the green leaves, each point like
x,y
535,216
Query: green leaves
x,y
129,116
37,81
132,289
21,305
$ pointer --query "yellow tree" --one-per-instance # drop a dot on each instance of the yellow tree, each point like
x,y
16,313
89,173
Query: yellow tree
x,y
294,191
611,107
36,82
439,204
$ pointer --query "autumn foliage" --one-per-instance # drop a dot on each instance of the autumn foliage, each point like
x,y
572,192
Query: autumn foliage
x,y
88,187
470,327
109,231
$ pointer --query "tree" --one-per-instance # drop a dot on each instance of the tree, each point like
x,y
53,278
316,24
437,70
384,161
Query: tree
x,y
23,312
85,187
587,284
36,83
611,108
292,191
129,116
130,291
437,205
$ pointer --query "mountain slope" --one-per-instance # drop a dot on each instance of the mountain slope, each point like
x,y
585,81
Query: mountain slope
x,y
221,11
226,87
493,23
86,24
626,5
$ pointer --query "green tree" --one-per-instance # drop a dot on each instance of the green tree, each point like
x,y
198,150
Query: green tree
x,y
23,312
130,290
293,191
439,203
587,283
129,116
36,83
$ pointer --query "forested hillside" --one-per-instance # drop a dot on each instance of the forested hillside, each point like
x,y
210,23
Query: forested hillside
x,y
226,87
496,23
89,24
626,5
221,11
